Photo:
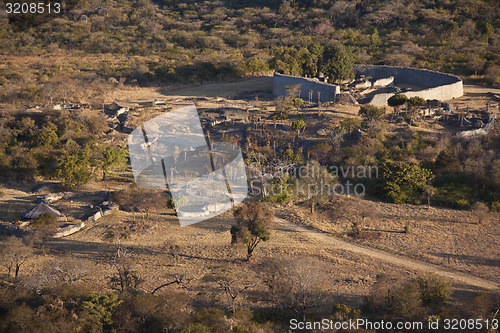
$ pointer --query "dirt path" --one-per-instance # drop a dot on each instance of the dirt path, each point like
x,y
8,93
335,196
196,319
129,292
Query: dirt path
x,y
392,258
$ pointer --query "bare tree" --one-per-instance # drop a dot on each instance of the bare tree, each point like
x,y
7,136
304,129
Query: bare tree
x,y
70,269
14,254
125,278
234,289
294,284
181,280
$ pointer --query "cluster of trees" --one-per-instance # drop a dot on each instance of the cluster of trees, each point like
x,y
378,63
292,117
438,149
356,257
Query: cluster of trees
x,y
414,167
293,292
58,144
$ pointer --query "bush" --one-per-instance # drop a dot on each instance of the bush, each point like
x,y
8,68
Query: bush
x,y
404,182
371,112
343,312
46,219
481,212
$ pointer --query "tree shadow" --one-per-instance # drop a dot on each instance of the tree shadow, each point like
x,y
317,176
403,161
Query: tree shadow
x,y
260,87
475,260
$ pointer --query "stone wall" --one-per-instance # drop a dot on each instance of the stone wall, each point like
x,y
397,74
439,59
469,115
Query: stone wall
x,y
441,86
327,91
69,230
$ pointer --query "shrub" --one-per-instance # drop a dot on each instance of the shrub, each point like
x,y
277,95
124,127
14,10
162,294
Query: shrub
x,y
46,219
481,212
462,204
404,182
343,312
371,112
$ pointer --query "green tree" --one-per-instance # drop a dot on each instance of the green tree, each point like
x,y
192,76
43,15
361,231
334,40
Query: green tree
x,y
112,160
298,125
98,310
298,102
316,184
371,112
255,65
48,138
413,103
73,170
404,182
396,101
337,62
349,125
434,291
253,226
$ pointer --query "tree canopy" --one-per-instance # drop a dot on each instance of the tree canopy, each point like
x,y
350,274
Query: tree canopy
x,y
254,223
337,63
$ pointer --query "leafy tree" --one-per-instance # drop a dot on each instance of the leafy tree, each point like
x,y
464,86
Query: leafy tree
x,y
298,102
298,125
349,125
253,226
416,101
45,219
98,311
255,65
73,170
112,160
395,298
316,184
337,63
404,182
293,156
371,112
396,101
412,103
48,138
434,291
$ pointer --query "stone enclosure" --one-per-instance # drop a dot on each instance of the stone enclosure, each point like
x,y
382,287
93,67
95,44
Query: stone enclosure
x,y
376,84
431,85
327,91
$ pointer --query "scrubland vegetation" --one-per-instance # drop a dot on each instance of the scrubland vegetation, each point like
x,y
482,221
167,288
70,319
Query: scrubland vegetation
x,y
169,41
101,47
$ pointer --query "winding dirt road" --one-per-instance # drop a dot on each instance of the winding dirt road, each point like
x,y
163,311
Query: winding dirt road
x,y
413,264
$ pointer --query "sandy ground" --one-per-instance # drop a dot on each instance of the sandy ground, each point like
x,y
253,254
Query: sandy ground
x,y
446,238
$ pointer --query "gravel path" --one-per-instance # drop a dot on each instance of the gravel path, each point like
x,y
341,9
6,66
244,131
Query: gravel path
x,y
392,258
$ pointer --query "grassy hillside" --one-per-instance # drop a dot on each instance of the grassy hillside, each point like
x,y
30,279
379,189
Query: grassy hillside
x,y
173,41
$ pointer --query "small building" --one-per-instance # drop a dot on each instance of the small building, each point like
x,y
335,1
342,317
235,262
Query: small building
x,y
40,209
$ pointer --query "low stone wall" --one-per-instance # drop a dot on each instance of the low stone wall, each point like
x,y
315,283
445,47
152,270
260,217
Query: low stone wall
x,y
441,86
386,81
480,132
327,91
69,230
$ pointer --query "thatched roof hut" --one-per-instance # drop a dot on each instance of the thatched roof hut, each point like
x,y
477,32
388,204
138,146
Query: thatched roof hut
x,y
38,210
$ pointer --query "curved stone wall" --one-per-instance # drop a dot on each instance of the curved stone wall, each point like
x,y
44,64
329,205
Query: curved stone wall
x,y
327,91
441,86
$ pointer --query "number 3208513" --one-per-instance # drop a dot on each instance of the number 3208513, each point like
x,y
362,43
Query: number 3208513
x,y
32,8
